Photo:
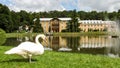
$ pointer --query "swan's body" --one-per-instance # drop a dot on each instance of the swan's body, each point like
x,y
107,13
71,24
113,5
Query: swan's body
x,y
28,49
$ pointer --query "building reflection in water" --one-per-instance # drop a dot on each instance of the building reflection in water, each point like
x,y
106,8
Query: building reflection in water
x,y
85,44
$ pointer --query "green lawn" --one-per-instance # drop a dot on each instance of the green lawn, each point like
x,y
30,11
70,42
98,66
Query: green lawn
x,y
58,34
19,34
79,33
51,59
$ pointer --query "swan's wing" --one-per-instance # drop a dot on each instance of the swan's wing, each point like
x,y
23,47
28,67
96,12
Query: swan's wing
x,y
26,48
31,48
14,50
35,50
19,48
26,44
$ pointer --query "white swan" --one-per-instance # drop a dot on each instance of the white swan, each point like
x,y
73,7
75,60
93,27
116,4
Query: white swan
x,y
28,49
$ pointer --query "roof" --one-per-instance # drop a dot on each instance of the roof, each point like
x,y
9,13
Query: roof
x,y
48,19
45,19
64,19
91,21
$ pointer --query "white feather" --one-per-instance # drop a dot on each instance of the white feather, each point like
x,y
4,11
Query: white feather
x,y
27,49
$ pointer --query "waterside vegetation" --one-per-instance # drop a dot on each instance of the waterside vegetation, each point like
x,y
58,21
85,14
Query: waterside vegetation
x,y
57,34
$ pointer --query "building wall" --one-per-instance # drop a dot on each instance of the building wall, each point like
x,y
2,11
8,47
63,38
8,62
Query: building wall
x,y
85,25
62,25
45,25
92,25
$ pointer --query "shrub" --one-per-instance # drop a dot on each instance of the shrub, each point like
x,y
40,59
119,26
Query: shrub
x,y
2,36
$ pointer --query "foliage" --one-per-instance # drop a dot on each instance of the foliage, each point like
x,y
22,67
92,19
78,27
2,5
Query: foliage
x,y
37,26
2,36
72,25
5,18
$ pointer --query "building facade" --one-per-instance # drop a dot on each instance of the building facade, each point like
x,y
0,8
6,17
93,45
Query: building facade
x,y
54,24
59,24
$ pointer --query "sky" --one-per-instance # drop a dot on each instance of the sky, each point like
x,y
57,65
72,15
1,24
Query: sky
x,y
60,5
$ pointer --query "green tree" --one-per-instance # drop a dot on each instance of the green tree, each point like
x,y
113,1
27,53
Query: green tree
x,y
5,18
112,15
24,16
16,20
72,25
82,15
37,26
100,16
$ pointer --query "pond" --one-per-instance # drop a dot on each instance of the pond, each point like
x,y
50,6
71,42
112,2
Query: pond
x,y
96,45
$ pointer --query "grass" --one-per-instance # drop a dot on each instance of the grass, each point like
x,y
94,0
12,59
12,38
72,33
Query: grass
x,y
51,59
58,34
80,33
19,34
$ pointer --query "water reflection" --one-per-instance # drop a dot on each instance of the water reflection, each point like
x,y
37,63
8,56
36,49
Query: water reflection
x,y
104,45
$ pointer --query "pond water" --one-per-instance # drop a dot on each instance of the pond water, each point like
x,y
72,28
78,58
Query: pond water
x,y
96,45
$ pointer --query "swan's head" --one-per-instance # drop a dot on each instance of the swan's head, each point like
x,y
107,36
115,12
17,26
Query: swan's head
x,y
41,36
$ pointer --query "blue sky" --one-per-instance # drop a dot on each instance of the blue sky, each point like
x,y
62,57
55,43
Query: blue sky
x,y
60,5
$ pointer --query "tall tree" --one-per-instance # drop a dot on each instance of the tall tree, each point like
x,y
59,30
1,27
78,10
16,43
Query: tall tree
x,y
72,25
112,15
16,20
24,16
82,15
37,25
5,18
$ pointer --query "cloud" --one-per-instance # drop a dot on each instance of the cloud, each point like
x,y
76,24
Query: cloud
x,y
36,5
60,5
101,5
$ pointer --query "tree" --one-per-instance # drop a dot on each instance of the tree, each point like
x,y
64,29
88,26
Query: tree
x,y
112,15
82,15
37,26
100,16
73,24
5,18
16,20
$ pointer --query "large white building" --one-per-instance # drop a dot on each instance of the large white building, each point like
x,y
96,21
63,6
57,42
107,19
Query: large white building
x,y
59,24
97,25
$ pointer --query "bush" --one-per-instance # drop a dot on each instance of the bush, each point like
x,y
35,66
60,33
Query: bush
x,y
2,36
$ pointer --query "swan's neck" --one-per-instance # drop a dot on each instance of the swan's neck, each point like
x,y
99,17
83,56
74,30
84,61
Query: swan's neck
x,y
37,39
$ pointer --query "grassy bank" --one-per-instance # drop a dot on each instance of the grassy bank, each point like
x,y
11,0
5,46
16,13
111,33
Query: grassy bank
x,y
58,34
20,34
51,59
80,33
